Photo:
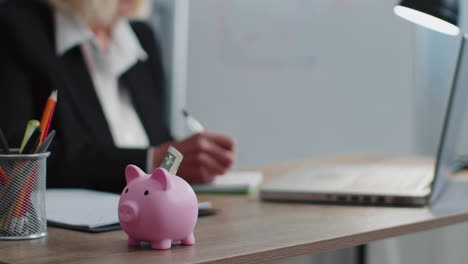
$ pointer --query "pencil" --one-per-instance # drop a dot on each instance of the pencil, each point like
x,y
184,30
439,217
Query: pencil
x,y
4,142
31,126
3,177
33,142
45,145
47,115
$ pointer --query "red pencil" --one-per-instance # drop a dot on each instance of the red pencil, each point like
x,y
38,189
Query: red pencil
x,y
3,177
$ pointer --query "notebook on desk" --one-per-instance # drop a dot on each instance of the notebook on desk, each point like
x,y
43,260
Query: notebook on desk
x,y
89,210
383,184
242,182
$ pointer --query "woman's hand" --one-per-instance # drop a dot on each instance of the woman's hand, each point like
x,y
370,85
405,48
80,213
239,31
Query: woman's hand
x,y
206,155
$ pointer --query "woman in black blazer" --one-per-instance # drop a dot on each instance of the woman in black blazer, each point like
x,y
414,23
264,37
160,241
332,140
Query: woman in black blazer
x,y
84,152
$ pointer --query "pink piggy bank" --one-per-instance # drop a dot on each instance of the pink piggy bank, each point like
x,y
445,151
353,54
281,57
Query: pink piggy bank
x,y
160,208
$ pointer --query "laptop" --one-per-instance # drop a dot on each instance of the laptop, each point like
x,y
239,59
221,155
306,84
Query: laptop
x,y
381,183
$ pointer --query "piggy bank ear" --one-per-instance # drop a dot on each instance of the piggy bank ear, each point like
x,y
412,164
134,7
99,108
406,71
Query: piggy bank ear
x,y
163,177
132,172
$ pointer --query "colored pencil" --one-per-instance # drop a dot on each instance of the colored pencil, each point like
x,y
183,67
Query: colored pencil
x,y
3,177
47,115
4,142
30,127
45,145
33,142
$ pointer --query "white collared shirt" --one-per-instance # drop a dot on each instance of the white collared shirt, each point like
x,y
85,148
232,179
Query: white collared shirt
x,y
105,69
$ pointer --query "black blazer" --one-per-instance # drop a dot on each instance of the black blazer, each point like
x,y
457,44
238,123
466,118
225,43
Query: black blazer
x,y
83,152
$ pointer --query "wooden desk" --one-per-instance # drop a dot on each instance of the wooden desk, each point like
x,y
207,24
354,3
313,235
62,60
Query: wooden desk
x,y
245,231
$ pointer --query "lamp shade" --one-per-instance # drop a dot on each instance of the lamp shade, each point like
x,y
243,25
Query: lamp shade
x,y
439,15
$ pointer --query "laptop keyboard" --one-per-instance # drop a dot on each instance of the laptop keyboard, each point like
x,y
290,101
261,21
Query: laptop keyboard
x,y
390,177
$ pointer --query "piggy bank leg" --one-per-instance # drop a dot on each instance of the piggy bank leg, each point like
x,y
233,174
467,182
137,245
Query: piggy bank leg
x,y
189,240
161,244
133,242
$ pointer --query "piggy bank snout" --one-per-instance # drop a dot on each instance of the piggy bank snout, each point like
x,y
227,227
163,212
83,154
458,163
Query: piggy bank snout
x,y
128,212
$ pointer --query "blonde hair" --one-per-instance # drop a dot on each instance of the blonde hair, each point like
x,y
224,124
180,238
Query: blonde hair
x,y
102,11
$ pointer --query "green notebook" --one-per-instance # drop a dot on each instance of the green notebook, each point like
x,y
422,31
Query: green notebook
x,y
242,182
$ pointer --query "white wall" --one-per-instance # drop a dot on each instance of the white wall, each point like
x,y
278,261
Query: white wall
x,y
444,245
300,78
304,78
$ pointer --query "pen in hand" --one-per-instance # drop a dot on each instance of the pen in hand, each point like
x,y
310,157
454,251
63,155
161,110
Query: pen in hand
x,y
206,154
192,123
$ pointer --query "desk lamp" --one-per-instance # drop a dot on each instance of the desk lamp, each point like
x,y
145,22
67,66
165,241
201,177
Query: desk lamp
x,y
438,15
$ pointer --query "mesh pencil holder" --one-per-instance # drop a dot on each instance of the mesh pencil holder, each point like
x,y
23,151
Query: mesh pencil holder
x,y
22,195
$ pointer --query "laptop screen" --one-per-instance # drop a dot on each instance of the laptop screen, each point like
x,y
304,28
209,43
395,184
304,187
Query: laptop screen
x,y
453,123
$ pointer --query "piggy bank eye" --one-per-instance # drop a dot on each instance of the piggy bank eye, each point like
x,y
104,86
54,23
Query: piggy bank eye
x,y
126,190
146,192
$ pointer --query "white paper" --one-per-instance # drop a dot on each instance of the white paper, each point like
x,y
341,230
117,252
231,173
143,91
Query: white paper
x,y
83,207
